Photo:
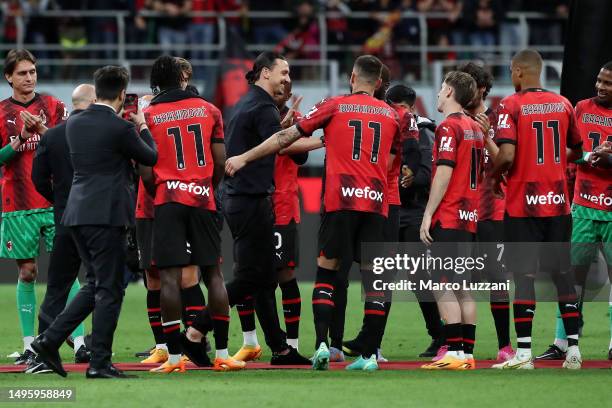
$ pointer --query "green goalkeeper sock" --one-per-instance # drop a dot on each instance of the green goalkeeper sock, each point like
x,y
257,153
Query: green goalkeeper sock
x,y
560,336
610,313
26,309
80,330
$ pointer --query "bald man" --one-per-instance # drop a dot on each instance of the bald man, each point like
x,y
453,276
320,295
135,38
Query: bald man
x,y
52,176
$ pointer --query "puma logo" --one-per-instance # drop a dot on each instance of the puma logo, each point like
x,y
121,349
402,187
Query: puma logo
x,y
279,255
530,311
14,121
379,303
326,293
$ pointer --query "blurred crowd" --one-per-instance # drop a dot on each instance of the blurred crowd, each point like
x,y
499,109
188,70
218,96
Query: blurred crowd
x,y
469,22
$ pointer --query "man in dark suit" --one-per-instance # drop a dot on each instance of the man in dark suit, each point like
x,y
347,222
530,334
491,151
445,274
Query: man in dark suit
x,y
52,175
100,206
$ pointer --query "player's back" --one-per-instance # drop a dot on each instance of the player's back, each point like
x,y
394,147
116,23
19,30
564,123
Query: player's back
x,y
459,144
358,140
183,127
542,125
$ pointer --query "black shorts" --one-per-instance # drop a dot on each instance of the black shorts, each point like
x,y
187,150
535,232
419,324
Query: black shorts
x,y
490,237
342,232
185,235
144,239
391,228
552,257
455,244
286,245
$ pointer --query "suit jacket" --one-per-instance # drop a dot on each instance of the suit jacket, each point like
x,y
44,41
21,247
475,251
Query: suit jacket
x,y
102,146
52,169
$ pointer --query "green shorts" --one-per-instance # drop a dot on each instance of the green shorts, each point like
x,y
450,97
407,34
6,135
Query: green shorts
x,y
20,233
591,230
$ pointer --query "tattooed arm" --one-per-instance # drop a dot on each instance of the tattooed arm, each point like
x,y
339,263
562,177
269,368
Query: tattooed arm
x,y
271,145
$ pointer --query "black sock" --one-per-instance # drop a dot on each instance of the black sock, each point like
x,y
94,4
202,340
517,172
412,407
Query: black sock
x,y
322,303
193,303
469,337
570,313
374,320
221,330
154,312
172,331
453,336
431,315
246,313
292,307
524,311
382,333
501,317
336,328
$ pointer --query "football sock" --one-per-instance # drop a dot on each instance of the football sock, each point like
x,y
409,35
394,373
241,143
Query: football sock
x,y
570,315
453,336
172,334
79,341
249,338
246,313
374,319
26,308
431,315
500,309
382,332
469,338
223,353
221,329
193,302
322,303
292,307
154,313
336,329
80,329
524,311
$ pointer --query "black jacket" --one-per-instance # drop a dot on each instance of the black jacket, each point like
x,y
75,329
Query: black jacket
x,y
102,146
52,169
414,198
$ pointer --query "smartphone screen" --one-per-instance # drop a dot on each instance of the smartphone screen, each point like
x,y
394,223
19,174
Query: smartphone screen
x,y
130,105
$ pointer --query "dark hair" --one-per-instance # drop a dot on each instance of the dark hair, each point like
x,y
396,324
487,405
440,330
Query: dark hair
x,y
530,59
368,67
14,57
166,73
401,93
483,78
464,86
266,59
607,66
385,78
110,81
185,67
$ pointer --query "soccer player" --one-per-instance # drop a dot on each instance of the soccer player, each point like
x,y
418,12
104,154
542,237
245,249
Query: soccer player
x,y
26,215
192,297
407,156
452,212
592,207
490,228
189,135
359,131
535,127
287,217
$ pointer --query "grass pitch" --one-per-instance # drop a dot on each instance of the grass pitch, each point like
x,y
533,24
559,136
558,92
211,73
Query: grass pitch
x,y
404,339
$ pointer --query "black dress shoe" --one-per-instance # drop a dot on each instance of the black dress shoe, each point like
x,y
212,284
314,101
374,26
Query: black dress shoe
x,y
432,349
195,351
106,372
49,355
291,358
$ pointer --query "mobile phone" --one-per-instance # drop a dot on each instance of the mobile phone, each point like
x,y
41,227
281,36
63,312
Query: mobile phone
x,y
130,105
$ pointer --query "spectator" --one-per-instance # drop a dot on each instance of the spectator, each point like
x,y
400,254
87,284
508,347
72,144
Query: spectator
x,y
337,29
202,33
442,30
268,31
103,30
305,34
172,27
481,20
236,24
407,32
510,35
10,10
547,31
40,30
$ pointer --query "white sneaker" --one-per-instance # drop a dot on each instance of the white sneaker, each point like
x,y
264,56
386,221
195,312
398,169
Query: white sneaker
x,y
573,359
515,363
379,357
